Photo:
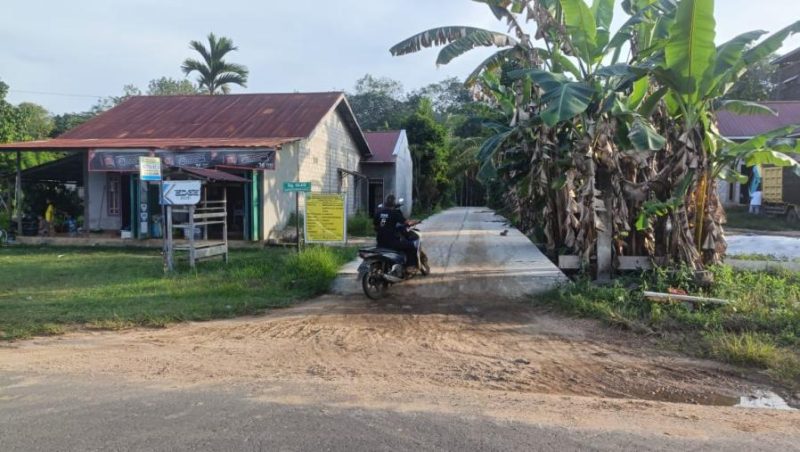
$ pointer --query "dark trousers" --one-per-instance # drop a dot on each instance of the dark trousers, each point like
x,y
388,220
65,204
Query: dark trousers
x,y
404,246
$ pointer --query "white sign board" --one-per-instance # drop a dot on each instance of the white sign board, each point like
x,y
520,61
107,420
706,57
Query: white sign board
x,y
181,192
150,169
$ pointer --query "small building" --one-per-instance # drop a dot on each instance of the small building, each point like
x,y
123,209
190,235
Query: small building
x,y
246,145
741,128
390,169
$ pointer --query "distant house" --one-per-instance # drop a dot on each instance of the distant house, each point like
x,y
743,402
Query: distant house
x,y
390,169
743,127
787,76
245,146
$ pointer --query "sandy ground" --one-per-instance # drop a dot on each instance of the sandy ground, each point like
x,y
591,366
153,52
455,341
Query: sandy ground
x,y
505,360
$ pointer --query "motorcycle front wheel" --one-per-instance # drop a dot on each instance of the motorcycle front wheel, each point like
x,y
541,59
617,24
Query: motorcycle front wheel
x,y
372,282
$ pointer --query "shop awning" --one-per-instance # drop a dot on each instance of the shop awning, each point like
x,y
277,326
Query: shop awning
x,y
212,175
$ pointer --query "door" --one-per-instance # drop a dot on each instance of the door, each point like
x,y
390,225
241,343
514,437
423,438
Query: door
x,y
375,196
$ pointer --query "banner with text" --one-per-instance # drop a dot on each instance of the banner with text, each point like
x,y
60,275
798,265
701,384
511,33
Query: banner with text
x,y
325,218
128,161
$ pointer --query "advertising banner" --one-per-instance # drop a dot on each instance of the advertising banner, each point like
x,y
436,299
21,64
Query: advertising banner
x,y
150,169
181,192
128,161
122,161
326,221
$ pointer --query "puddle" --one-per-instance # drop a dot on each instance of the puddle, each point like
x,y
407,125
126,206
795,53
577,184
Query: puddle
x,y
764,400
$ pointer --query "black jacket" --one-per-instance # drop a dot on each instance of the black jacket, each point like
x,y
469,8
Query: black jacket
x,y
388,224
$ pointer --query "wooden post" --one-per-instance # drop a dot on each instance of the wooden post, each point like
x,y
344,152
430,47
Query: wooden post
x,y
297,218
191,236
18,194
225,221
169,239
205,204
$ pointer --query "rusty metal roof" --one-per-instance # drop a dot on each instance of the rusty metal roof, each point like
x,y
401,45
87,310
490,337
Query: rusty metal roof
x,y
237,120
382,145
735,126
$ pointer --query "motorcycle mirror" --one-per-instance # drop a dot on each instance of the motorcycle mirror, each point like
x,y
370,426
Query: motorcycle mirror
x,y
400,202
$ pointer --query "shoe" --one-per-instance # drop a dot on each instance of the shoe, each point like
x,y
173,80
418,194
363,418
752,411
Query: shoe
x,y
412,270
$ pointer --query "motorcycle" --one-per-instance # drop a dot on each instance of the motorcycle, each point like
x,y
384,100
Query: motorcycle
x,y
383,267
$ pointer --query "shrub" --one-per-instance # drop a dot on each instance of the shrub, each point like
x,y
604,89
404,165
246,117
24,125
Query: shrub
x,y
315,268
360,225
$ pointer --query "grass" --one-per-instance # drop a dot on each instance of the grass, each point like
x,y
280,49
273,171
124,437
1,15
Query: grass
x,y
45,290
739,218
760,328
360,225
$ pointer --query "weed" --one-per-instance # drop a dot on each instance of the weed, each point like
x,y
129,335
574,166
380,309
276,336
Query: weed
x,y
360,225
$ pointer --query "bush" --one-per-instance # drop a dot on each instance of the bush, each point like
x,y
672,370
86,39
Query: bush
x,y
5,221
315,268
360,225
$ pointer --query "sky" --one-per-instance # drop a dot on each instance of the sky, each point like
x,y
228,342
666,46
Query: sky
x,y
80,50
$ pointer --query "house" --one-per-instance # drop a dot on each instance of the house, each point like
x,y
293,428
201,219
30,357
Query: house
x,y
787,76
390,169
244,146
744,127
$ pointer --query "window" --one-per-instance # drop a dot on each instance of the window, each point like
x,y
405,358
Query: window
x,y
114,201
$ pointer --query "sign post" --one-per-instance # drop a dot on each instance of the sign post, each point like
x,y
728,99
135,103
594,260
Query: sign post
x,y
297,188
178,193
326,221
150,171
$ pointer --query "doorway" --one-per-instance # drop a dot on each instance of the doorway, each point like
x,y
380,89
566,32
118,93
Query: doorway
x,y
375,196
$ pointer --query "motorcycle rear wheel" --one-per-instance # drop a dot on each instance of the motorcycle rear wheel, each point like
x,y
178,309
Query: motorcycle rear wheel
x,y
373,284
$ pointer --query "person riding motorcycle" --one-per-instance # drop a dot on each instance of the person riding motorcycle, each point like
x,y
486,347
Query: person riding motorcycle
x,y
390,226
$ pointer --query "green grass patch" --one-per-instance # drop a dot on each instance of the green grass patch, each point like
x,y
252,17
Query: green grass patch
x,y
740,218
360,225
760,328
46,290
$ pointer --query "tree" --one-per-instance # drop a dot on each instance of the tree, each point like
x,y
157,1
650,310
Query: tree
x,y
757,83
427,140
379,103
586,129
166,86
34,122
215,74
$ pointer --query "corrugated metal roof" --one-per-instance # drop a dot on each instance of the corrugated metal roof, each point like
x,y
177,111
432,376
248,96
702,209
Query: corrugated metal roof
x,y
157,143
212,174
237,120
382,145
734,126
226,116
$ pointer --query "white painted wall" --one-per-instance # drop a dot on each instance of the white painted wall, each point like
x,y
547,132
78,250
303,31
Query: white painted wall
x,y
98,204
404,173
278,206
332,146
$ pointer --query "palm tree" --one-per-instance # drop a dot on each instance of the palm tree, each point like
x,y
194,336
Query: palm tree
x,y
215,73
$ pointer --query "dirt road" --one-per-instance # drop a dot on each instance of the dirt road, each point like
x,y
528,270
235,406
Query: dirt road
x,y
440,369
504,361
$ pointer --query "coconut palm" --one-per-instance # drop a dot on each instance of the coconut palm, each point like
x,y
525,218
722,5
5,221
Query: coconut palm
x,y
215,74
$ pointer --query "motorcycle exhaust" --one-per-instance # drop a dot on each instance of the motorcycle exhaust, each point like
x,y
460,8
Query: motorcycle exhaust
x,y
392,279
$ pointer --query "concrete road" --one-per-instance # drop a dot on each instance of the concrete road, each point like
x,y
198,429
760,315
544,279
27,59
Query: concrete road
x,y
93,415
473,253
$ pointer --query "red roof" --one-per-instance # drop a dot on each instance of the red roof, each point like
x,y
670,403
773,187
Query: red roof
x,y
382,145
237,120
734,126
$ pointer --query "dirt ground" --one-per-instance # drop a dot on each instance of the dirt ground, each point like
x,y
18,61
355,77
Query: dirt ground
x,y
507,360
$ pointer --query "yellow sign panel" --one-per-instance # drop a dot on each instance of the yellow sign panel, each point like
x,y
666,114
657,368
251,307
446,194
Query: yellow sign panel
x,y
325,218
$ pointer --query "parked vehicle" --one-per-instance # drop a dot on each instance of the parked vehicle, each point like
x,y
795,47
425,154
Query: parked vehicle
x,y
383,267
781,193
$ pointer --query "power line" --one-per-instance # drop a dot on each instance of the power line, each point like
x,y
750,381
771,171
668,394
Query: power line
x,y
47,93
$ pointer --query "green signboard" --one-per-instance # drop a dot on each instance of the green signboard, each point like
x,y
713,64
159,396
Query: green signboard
x,y
290,187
